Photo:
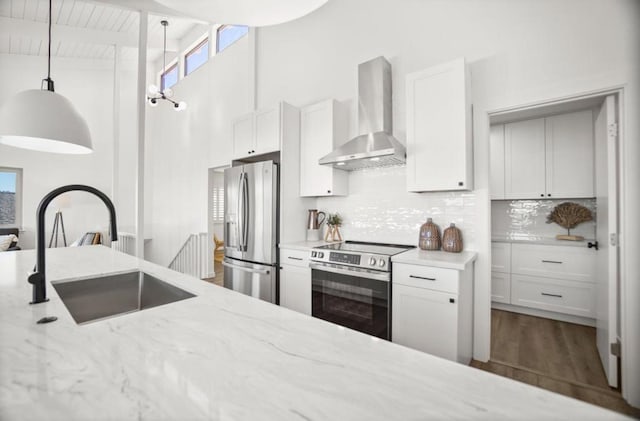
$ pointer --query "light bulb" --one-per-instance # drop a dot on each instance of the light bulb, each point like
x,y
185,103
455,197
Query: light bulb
x,y
153,89
168,92
181,106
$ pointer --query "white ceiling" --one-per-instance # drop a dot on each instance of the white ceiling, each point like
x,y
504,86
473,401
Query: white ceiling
x,y
81,29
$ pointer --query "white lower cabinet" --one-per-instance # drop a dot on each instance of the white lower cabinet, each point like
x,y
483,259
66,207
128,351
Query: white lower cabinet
x,y
501,287
432,310
295,281
556,279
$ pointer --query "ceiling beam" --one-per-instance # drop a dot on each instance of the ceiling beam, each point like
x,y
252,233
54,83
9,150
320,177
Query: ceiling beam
x,y
39,30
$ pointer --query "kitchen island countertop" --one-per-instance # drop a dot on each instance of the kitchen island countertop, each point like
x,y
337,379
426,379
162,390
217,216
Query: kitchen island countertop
x,y
223,355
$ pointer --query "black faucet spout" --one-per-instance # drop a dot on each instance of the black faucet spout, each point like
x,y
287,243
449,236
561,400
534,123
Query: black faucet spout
x,y
38,278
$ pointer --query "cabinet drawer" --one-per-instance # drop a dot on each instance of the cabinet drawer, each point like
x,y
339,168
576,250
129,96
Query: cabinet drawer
x,y
439,279
574,263
501,257
501,287
570,297
294,257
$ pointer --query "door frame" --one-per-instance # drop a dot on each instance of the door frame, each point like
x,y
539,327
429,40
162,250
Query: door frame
x,y
625,301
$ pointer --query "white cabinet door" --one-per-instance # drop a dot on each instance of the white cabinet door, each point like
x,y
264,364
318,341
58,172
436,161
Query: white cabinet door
x,y
243,136
524,148
267,131
295,288
501,287
496,162
570,155
426,320
439,129
322,127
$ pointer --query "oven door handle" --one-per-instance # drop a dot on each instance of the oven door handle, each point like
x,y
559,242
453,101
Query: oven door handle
x,y
382,276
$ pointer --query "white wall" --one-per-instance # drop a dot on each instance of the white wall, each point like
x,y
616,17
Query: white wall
x,y
181,146
89,87
519,53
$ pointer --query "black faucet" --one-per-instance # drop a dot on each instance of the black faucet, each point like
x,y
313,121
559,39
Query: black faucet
x,y
37,278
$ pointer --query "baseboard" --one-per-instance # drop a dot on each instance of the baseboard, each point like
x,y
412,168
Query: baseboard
x,y
569,318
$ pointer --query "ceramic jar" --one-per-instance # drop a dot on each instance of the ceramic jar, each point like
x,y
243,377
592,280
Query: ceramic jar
x,y
452,239
429,236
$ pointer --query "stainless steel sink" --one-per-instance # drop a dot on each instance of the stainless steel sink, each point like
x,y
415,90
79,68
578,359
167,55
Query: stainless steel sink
x,y
106,296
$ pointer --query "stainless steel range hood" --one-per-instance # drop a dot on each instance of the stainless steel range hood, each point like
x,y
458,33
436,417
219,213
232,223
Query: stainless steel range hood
x,y
375,146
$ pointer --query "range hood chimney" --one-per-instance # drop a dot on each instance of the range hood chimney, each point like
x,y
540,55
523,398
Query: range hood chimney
x,y
375,146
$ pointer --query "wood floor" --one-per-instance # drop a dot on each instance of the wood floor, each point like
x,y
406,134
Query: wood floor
x,y
558,356
219,278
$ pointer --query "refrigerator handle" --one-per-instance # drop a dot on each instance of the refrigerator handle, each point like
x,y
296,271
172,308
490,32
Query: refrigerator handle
x,y
246,204
244,269
240,211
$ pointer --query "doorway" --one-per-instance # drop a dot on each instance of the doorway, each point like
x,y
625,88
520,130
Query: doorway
x,y
555,302
215,219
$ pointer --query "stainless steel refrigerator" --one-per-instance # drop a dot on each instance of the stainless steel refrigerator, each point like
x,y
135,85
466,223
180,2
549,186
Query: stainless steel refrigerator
x,y
250,221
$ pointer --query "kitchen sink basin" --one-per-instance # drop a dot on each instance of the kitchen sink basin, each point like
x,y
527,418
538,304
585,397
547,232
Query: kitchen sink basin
x,y
111,295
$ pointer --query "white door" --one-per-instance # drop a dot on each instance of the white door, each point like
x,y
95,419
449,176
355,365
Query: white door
x,y
243,136
295,288
607,260
524,156
316,141
569,155
267,131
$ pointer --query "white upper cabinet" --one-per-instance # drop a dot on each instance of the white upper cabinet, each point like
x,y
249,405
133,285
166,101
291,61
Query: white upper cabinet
x,y
243,141
570,155
267,130
550,157
524,159
257,133
496,161
323,126
439,144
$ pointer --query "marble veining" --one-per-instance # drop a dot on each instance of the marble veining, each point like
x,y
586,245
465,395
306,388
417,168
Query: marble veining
x,y
225,356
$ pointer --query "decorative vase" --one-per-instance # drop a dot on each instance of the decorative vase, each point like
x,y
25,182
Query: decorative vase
x,y
333,233
429,236
452,239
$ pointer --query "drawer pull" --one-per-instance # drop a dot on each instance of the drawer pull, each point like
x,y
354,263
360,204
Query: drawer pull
x,y
551,295
422,277
294,258
551,261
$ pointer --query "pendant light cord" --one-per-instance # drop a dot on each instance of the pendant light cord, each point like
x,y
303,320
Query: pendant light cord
x,y
164,54
48,79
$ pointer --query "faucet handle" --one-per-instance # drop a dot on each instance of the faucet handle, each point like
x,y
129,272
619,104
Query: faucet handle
x,y
39,290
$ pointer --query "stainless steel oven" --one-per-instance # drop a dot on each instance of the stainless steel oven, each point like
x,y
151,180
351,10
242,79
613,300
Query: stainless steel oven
x,y
355,298
351,285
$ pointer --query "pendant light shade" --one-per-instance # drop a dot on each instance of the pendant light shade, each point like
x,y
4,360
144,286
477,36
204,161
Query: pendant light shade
x,y
42,120
45,121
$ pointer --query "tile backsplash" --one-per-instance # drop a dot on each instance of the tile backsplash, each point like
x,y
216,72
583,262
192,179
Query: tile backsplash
x,y
379,208
527,219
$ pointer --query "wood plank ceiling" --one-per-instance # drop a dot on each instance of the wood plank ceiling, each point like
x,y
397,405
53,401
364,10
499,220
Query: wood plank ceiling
x,y
31,17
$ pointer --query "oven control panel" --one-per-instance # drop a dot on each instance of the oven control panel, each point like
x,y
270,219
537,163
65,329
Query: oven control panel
x,y
363,260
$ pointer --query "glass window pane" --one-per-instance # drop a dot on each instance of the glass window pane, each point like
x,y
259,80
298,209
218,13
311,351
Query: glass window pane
x,y
197,57
229,34
170,77
8,199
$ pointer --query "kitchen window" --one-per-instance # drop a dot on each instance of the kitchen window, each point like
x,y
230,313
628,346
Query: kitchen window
x,y
169,77
196,57
228,34
10,197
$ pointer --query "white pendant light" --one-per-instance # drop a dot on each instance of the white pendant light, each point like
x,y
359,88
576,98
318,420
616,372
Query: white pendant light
x,y
42,120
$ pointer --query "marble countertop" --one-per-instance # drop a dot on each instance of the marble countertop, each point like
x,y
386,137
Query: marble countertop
x,y
226,356
304,245
546,241
439,258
